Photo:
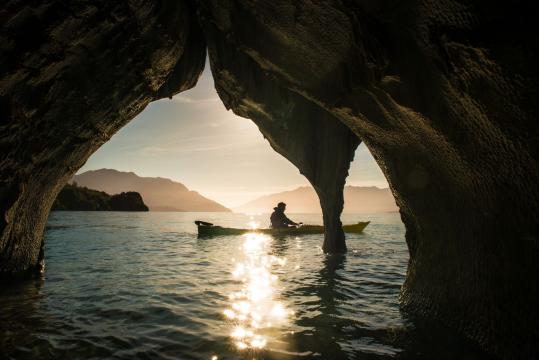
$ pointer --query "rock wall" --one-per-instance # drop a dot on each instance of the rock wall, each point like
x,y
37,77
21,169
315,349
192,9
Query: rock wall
x,y
443,92
71,75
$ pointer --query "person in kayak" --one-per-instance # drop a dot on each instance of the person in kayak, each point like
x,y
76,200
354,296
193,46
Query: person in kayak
x,y
278,218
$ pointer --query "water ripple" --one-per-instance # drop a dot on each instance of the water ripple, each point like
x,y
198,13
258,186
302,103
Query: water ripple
x,y
142,286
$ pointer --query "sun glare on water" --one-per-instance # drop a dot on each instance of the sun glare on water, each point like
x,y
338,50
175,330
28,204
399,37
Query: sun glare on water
x,y
254,310
253,225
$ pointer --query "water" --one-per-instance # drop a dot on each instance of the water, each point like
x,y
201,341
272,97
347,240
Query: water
x,y
141,285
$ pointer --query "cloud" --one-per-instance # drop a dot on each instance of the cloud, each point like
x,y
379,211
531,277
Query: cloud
x,y
192,145
189,100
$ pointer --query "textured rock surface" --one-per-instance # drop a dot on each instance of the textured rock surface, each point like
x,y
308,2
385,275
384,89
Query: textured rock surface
x,y
442,92
71,75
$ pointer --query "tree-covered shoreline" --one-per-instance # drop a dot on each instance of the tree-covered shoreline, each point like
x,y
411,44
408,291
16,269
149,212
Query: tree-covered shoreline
x,y
77,198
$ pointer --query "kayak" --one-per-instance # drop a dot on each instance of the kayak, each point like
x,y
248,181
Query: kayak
x,y
209,229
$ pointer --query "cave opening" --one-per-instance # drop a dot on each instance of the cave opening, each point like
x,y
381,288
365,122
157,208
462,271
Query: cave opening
x,y
443,98
332,275
193,139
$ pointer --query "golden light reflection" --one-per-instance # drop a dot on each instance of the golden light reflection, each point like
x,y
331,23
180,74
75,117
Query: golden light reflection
x,y
254,309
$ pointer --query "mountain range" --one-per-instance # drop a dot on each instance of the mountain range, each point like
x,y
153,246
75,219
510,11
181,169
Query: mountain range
x,y
159,194
357,199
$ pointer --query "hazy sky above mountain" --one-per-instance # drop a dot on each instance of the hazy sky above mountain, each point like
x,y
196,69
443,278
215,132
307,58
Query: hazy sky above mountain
x,y
193,139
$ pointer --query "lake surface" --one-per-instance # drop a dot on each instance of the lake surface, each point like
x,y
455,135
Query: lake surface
x,y
142,285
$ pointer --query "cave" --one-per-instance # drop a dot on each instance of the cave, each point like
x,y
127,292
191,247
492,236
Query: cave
x,y
442,93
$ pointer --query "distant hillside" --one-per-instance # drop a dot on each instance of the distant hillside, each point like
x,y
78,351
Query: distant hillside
x,y
304,200
159,194
73,197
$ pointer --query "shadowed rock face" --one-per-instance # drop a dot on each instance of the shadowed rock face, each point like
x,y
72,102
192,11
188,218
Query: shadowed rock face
x,y
444,100
72,74
442,92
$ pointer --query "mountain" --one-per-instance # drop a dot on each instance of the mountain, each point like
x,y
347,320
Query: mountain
x,y
159,194
73,197
304,200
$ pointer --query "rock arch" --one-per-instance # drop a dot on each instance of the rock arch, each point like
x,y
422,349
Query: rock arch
x,y
442,92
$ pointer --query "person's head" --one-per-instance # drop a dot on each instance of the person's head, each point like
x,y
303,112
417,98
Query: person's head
x,y
281,206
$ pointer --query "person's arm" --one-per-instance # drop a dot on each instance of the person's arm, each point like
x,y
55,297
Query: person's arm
x,y
289,222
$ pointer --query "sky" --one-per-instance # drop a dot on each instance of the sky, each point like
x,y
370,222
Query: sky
x,y
193,139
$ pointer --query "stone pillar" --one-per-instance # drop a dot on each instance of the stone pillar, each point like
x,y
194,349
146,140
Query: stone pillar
x,y
312,139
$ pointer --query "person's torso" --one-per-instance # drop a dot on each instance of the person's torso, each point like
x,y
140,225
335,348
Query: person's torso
x,y
277,219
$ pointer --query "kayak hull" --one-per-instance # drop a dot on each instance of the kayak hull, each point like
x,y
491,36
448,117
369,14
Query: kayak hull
x,y
205,231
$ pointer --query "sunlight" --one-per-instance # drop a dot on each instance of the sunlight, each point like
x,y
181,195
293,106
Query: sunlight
x,y
254,308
